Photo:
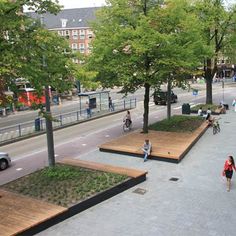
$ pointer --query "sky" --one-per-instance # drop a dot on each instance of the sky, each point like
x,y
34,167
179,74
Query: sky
x,y
81,3
97,3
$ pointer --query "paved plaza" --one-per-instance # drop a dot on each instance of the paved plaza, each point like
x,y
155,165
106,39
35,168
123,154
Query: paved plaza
x,y
196,204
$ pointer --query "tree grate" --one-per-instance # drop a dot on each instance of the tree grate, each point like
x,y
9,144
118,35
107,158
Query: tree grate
x,y
173,179
140,191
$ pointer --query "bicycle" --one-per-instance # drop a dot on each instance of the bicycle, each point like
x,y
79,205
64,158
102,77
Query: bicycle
x,y
216,127
127,126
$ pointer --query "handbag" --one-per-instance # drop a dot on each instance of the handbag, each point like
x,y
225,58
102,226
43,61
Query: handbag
x,y
223,173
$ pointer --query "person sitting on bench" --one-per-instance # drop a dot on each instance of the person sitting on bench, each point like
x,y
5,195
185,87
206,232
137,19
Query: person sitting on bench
x,y
147,148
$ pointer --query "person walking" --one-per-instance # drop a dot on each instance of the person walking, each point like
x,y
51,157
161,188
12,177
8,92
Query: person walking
x,y
229,166
88,109
110,104
234,104
147,148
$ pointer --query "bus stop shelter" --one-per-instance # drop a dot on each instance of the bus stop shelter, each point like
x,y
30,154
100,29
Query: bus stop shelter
x,y
96,100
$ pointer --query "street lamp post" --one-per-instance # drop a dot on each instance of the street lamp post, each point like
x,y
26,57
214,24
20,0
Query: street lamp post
x,y
223,87
48,116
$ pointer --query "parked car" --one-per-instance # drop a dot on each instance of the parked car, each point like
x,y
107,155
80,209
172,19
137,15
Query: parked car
x,y
5,160
160,97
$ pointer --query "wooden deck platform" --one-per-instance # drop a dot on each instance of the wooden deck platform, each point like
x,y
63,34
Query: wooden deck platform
x,y
166,146
18,213
133,173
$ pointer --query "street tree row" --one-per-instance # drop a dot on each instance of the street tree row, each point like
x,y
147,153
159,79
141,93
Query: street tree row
x,y
145,43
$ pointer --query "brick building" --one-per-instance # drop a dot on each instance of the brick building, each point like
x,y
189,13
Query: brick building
x,y
73,24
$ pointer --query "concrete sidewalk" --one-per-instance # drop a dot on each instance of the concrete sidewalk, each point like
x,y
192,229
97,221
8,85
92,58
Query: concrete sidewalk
x,y
196,204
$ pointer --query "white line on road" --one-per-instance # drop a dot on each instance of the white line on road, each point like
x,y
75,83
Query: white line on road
x,y
177,108
195,105
56,155
150,105
107,136
84,144
19,169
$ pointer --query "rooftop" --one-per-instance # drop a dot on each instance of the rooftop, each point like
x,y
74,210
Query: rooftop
x,y
68,18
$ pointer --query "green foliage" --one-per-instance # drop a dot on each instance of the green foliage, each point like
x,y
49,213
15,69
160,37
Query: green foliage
x,y
64,185
178,124
218,29
60,173
24,44
205,107
141,43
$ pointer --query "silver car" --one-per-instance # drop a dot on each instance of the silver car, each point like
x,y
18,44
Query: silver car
x,y
5,160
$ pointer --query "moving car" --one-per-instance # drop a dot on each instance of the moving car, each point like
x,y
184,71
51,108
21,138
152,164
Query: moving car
x,y
160,97
5,160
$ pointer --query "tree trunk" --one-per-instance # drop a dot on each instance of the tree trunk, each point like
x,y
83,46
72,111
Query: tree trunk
x,y
169,99
49,130
208,77
146,107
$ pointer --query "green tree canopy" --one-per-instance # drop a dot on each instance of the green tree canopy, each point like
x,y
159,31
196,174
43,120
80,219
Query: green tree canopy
x,y
140,43
218,27
24,43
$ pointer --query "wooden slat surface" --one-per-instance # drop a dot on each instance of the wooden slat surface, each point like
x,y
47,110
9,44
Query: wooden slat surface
x,y
104,167
164,144
18,213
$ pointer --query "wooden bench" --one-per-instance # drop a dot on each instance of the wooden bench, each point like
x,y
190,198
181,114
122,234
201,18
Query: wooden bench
x,y
166,145
18,213
104,167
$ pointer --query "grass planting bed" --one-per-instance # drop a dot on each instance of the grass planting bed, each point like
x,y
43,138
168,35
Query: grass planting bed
x,y
178,123
64,185
204,107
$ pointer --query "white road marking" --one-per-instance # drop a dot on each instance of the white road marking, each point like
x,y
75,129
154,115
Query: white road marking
x,y
177,108
195,105
84,144
19,169
107,135
56,155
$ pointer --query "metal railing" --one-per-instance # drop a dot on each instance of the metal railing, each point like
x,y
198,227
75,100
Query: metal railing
x,y
39,125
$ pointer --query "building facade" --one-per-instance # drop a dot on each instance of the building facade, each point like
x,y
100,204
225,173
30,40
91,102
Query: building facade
x,y
74,25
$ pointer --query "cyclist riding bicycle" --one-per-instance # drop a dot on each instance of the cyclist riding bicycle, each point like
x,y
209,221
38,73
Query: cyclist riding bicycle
x,y
127,119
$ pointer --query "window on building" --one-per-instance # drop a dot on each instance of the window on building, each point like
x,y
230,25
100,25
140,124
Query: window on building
x,y
81,47
67,33
75,34
89,34
63,22
82,34
74,46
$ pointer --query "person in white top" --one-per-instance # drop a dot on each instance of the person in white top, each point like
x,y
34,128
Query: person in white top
x,y
208,111
199,113
147,148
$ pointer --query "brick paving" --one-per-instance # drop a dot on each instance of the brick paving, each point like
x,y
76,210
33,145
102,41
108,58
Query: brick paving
x,y
196,204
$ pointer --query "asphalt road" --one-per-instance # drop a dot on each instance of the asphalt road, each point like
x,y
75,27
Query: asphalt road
x,y
31,154
67,107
